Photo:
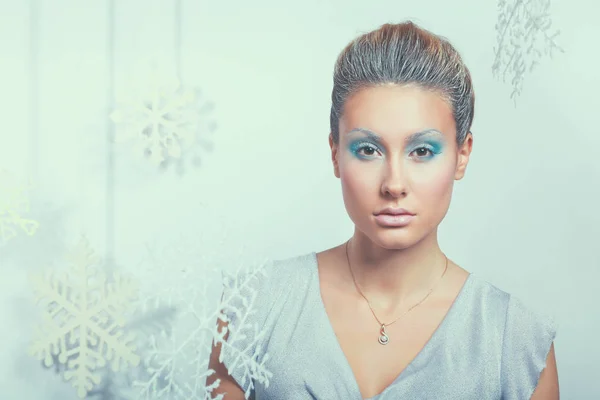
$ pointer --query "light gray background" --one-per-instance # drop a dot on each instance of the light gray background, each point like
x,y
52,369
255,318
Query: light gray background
x,y
525,217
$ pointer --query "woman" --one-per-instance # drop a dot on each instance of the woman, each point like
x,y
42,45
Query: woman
x,y
387,314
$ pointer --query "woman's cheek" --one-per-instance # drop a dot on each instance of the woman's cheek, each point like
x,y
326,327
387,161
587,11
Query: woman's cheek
x,y
435,189
360,177
434,177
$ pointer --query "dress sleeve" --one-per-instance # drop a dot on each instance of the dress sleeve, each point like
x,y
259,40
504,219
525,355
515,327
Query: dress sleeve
x,y
527,339
244,306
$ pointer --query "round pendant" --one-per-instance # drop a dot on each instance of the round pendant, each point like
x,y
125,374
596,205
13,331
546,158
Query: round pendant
x,y
383,337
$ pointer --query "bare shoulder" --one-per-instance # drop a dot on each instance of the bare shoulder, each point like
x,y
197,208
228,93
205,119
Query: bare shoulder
x,y
330,263
330,255
454,280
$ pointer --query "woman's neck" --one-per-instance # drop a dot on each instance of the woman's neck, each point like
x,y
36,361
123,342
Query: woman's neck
x,y
393,278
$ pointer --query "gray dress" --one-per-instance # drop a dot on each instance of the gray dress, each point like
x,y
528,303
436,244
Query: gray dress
x,y
489,345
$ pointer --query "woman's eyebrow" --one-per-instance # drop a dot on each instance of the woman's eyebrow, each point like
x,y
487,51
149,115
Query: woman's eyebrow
x,y
372,135
425,132
412,137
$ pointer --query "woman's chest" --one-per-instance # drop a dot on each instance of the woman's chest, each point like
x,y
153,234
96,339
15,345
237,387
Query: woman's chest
x,y
310,371
375,366
308,362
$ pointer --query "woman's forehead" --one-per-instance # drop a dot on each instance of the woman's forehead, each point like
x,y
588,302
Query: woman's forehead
x,y
390,112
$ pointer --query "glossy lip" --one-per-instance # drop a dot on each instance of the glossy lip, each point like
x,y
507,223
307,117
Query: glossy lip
x,y
394,217
394,221
394,211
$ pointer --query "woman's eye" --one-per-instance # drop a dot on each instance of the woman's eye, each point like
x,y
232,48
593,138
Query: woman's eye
x,y
368,150
423,152
365,150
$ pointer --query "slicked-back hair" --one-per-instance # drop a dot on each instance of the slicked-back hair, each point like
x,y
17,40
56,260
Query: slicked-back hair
x,y
403,54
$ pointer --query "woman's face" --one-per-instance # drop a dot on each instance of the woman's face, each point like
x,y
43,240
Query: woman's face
x,y
397,150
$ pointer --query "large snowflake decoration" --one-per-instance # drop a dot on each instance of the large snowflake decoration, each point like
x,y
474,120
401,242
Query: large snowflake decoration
x,y
84,318
523,37
175,293
245,356
164,119
14,206
117,386
182,292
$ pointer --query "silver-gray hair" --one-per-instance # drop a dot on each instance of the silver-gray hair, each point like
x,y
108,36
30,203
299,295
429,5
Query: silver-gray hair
x,y
404,54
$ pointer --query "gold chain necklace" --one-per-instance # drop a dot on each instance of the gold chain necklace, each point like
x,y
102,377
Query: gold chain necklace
x,y
383,337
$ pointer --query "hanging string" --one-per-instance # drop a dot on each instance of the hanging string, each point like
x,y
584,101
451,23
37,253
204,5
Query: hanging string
x,y
110,135
178,34
34,85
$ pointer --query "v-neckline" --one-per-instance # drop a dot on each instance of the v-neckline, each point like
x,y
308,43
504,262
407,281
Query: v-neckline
x,y
344,359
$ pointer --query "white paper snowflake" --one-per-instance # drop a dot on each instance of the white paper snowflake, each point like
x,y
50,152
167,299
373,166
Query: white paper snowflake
x,y
84,315
175,356
245,356
14,206
113,387
163,118
183,291
523,37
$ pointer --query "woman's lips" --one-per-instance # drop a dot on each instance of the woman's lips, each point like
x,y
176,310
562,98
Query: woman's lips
x,y
394,220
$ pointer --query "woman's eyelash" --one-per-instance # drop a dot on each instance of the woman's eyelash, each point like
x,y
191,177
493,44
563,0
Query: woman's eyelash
x,y
423,148
427,148
360,146
368,146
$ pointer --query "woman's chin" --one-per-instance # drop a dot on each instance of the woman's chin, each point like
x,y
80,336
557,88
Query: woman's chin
x,y
394,239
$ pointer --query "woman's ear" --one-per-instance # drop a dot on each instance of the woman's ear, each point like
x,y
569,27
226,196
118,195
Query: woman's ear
x,y
464,152
334,154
